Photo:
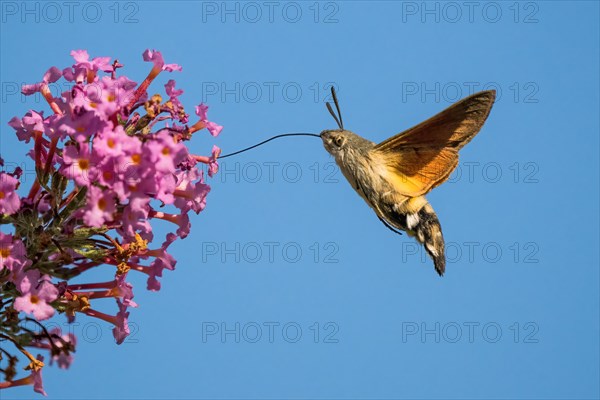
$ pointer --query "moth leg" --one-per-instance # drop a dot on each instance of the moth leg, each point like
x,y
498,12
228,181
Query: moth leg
x,y
377,210
389,227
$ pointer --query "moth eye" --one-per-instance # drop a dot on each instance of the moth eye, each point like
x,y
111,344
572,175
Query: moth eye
x,y
338,141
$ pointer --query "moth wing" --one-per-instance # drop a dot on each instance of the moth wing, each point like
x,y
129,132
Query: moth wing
x,y
424,156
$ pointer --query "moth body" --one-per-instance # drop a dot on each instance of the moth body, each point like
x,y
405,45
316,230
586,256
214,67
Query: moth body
x,y
394,175
367,175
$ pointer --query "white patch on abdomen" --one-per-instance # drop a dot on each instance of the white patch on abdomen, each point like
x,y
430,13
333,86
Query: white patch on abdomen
x,y
412,220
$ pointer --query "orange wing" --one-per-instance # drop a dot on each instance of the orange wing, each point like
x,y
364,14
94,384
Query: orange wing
x,y
425,155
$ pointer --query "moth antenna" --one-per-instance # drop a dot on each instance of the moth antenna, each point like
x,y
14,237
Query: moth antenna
x,y
337,106
333,115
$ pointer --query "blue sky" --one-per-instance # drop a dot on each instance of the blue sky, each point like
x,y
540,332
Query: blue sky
x,y
288,285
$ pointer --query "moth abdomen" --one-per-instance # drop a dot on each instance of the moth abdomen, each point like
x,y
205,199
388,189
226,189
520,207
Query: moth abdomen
x,y
425,226
428,231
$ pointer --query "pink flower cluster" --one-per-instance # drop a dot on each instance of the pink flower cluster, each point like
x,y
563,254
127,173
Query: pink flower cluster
x,y
106,157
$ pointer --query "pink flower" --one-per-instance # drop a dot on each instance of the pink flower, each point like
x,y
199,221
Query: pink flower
x,y
45,204
52,126
80,126
36,374
161,253
213,165
177,107
181,220
125,291
12,253
100,207
35,300
64,356
51,76
108,96
157,58
109,142
191,192
83,65
153,284
165,152
165,188
108,175
135,219
82,60
213,128
121,329
9,199
162,261
79,164
172,92
28,125
184,225
104,158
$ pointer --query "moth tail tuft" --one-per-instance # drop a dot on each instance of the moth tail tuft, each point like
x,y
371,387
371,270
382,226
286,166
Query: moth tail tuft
x,y
428,232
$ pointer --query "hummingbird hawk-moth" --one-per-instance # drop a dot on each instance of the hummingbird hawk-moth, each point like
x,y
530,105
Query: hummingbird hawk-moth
x,y
394,176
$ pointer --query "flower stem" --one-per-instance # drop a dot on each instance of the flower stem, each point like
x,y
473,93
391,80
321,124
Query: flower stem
x,y
48,96
50,155
144,86
28,380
